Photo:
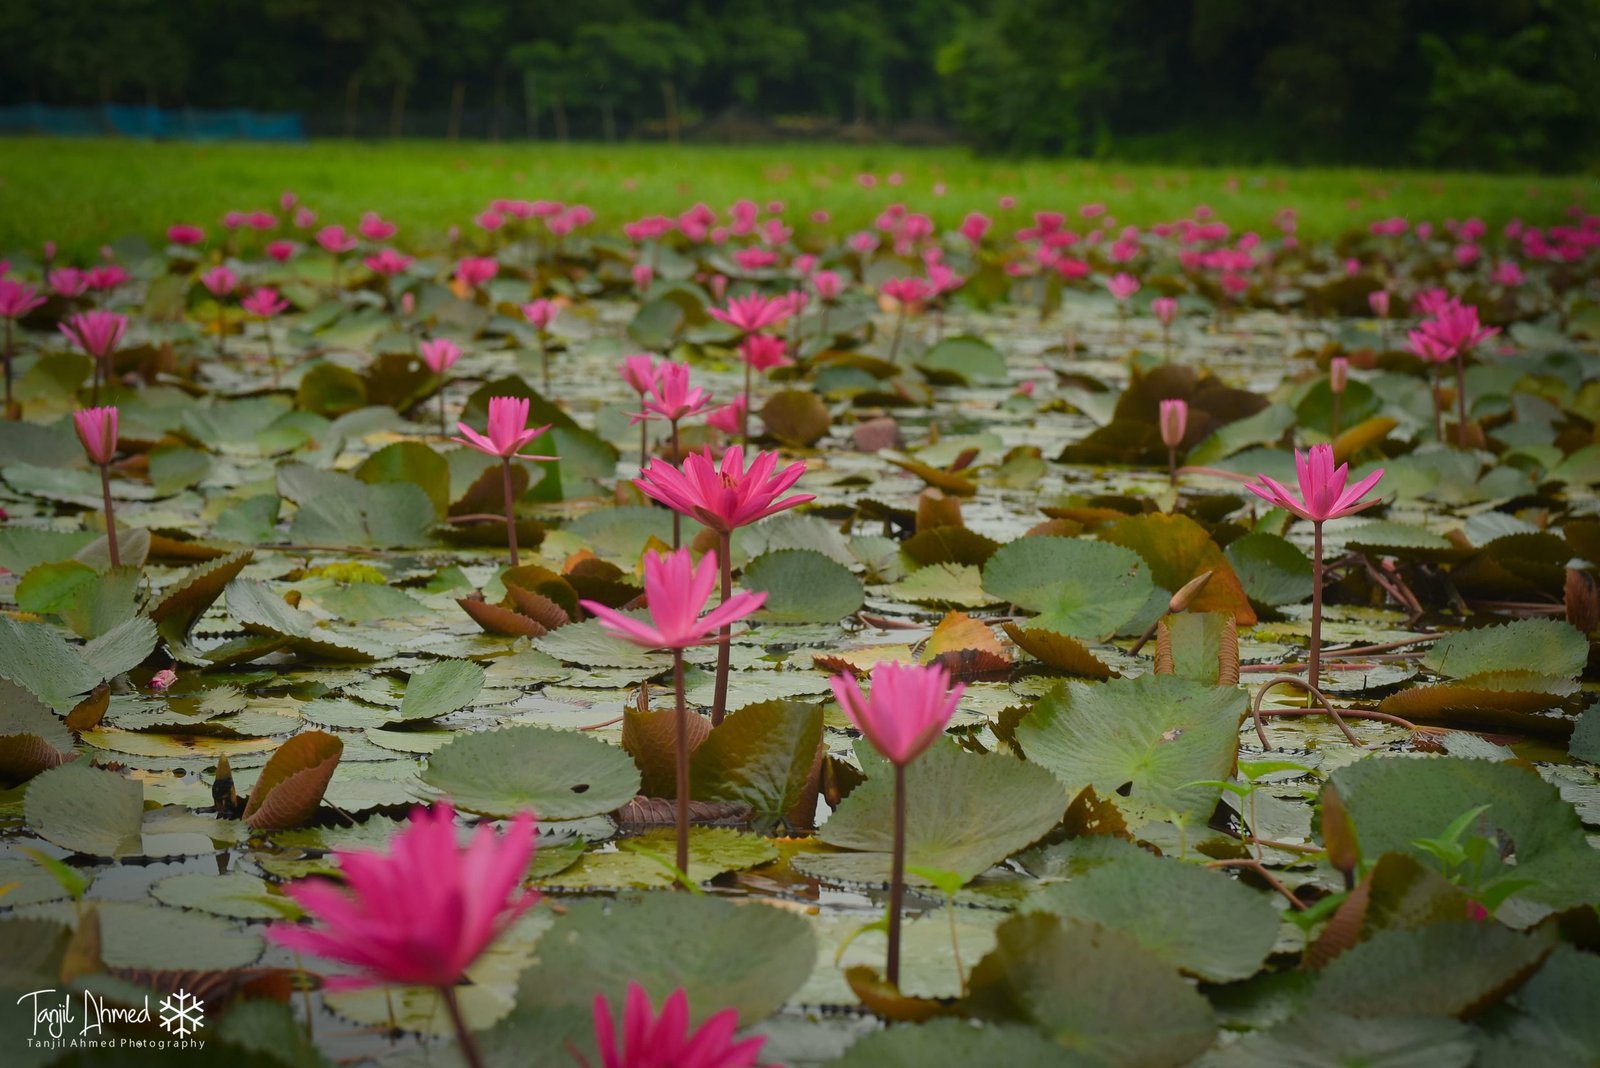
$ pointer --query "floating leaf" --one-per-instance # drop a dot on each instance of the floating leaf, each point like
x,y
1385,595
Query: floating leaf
x,y
1150,741
960,1042
1448,969
188,598
644,861
761,756
1324,1038
290,788
1179,550
441,689
796,417
1545,646
558,774
1058,651
1271,570
803,586
87,810
36,658
1081,588
963,359
965,812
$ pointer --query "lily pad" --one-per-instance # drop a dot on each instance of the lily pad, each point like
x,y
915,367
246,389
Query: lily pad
x,y
557,774
441,689
803,586
1079,587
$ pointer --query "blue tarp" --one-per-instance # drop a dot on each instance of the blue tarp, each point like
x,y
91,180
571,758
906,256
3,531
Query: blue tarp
x,y
179,124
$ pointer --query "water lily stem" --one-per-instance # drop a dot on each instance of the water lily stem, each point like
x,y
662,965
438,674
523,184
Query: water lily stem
x,y
443,431
511,515
1438,412
899,327
719,702
469,1047
1461,401
8,369
544,365
1313,673
682,722
744,416
897,873
111,520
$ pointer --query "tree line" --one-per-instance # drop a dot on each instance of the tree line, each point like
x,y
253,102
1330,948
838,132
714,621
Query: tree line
x,y
1476,83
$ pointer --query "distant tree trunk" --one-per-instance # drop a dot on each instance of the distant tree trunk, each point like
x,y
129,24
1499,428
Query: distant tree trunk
x,y
530,103
560,108
608,119
458,101
352,99
669,95
499,102
861,102
397,110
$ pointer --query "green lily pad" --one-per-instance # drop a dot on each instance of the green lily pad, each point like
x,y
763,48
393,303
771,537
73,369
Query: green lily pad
x,y
1079,587
87,810
441,689
645,861
1150,740
947,1041
1543,646
803,586
965,812
1271,569
761,756
1449,969
237,894
964,359
557,774
1329,1039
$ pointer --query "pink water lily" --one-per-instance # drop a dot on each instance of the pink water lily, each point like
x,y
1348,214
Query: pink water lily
x,y
97,431
336,239
751,312
219,281
388,262
671,397
508,430
640,371
474,271
731,417
908,290
185,234
666,1041
68,282
1122,286
724,496
676,592
441,354
265,302
1323,494
374,227
97,333
764,352
17,298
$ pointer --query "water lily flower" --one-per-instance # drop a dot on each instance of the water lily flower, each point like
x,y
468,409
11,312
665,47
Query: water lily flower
x,y
387,262
1454,329
1174,421
162,680
185,234
1323,496
974,226
374,227
751,312
665,1041
17,299
440,354
281,251
508,434
473,271
265,302
1122,286
219,281
731,418
68,282
671,397
908,709
336,239
676,592
97,431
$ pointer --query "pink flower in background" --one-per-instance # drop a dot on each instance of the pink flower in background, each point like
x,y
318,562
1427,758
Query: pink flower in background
x,y
473,271
754,259
1006,203
1455,327
719,287
287,200
185,234
97,333
863,242
804,264
489,219
388,263
1323,495
727,496
974,226
906,291
1165,309
643,275
265,302
541,313
1174,420
730,417
1425,346
1378,301
907,710
1338,374
261,220
820,217
374,227
219,281
752,312
1508,274
671,397
408,304
509,432
305,218
828,284
105,276
943,279
17,298
649,1041
1429,301
162,680
421,913
281,251
336,239
676,592
97,430
441,354
1466,254
763,352
1424,231
640,371
1122,286
233,220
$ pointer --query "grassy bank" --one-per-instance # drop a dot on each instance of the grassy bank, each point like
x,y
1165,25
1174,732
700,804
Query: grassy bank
x,y
79,192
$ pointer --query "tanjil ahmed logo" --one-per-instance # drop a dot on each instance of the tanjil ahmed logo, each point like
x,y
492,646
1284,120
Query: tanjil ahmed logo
x,y
59,1022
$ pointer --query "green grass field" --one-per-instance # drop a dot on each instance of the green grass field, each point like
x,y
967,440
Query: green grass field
x,y
82,193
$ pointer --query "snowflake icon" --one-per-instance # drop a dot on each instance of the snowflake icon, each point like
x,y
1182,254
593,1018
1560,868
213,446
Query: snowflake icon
x,y
182,1014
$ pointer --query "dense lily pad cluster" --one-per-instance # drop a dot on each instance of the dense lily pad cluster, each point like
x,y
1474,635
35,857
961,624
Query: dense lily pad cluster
x,y
257,607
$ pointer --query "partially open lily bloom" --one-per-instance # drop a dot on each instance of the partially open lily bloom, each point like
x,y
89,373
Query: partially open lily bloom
x,y
508,428
265,302
752,312
671,397
1166,309
730,417
97,430
185,234
764,352
1338,373
828,285
541,313
1378,301
1122,286
336,239
219,281
17,298
907,291
908,708
441,354
1428,347
1323,495
640,371
68,282
420,913
665,1041
724,496
675,593
388,262
473,271
97,333
1455,327
1174,421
